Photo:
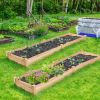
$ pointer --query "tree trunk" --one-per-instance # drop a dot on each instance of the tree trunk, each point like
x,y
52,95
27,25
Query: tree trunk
x,y
66,9
29,7
78,1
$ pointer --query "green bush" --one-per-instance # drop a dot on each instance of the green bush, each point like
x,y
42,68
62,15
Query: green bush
x,y
8,13
16,24
49,7
41,30
12,8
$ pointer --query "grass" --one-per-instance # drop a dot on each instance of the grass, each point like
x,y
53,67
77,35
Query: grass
x,y
82,85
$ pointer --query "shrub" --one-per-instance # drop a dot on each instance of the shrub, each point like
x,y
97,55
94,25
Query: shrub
x,y
7,13
41,30
16,24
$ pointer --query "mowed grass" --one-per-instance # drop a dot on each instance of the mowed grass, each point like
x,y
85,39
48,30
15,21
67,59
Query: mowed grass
x,y
82,85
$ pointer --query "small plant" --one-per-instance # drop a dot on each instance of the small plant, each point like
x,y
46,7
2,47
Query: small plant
x,y
61,40
57,25
54,71
57,70
37,77
38,50
1,36
47,69
42,78
30,31
54,20
30,79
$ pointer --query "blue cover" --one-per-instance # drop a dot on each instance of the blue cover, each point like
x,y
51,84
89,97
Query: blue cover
x,y
89,35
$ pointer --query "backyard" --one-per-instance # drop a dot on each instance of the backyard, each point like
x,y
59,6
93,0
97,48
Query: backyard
x,y
81,85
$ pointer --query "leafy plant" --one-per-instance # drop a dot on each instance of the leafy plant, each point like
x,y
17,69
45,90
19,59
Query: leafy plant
x,y
64,19
54,71
16,24
1,36
42,78
31,79
30,31
61,40
44,74
47,69
57,70
57,25
37,77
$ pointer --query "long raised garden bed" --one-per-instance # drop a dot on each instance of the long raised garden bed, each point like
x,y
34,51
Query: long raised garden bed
x,y
71,65
58,27
6,39
27,56
20,33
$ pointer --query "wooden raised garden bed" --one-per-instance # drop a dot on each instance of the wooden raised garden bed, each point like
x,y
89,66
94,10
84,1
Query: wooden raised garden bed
x,y
71,65
6,39
27,56
58,29
61,27
19,33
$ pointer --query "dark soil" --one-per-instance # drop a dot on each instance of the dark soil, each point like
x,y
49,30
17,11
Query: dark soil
x,y
6,40
75,60
42,47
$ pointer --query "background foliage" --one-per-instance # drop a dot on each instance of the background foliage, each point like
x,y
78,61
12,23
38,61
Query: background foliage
x,y
12,8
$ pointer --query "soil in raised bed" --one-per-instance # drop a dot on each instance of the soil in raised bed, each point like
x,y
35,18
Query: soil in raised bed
x,y
42,47
75,60
67,64
6,40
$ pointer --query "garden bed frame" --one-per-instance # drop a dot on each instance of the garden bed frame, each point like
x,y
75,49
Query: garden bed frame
x,y
27,61
34,89
6,40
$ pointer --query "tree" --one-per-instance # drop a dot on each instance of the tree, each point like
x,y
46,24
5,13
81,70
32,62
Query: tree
x,y
66,9
29,7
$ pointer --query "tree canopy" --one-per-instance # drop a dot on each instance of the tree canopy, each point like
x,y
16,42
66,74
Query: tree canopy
x,y
11,8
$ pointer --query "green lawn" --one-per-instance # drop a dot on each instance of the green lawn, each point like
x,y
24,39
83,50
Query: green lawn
x,y
82,85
